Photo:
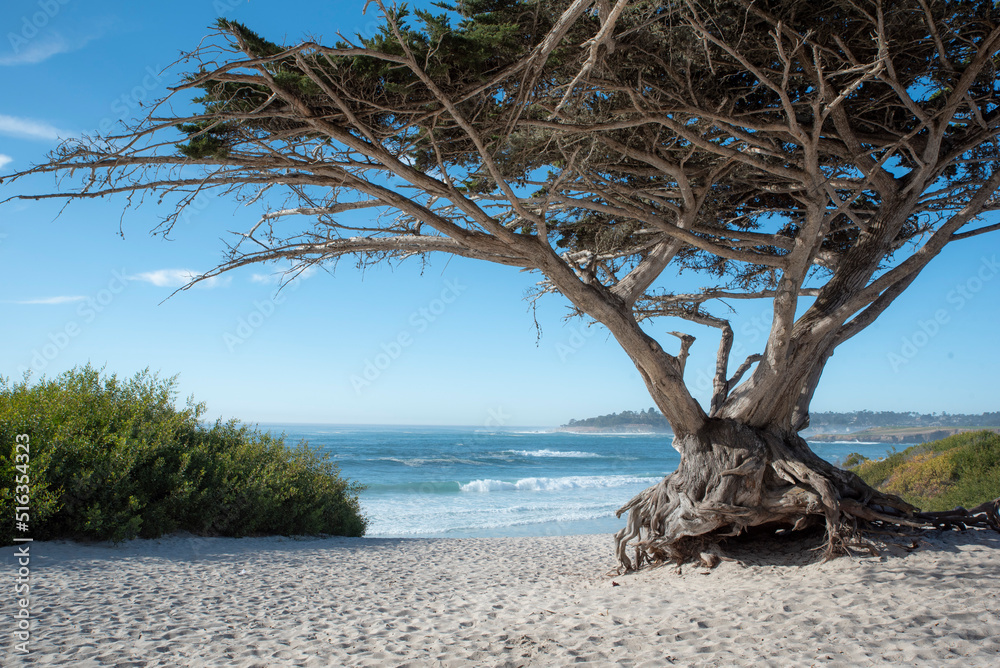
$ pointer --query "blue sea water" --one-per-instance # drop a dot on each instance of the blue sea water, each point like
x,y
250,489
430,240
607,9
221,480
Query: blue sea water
x,y
467,481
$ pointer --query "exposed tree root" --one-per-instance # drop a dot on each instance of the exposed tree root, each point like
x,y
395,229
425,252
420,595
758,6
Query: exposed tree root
x,y
733,477
986,515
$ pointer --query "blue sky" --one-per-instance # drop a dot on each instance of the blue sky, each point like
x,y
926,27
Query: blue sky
x,y
452,342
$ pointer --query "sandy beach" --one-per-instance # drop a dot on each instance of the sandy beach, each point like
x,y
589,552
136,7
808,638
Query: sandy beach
x,y
545,601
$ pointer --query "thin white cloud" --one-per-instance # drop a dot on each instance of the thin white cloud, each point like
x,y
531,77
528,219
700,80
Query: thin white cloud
x,y
62,299
27,128
177,278
37,51
265,278
41,48
5,160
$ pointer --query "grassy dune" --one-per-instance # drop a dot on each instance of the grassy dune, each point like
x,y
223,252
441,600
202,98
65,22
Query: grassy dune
x,y
961,470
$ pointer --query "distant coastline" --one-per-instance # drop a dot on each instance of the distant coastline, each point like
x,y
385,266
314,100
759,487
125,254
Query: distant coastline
x,y
910,435
861,426
904,435
636,428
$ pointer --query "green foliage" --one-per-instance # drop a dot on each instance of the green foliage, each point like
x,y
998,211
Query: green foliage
x,y
466,45
648,418
866,419
114,460
961,470
205,140
854,459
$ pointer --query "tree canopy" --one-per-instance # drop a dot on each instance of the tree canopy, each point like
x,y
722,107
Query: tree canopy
x,y
785,149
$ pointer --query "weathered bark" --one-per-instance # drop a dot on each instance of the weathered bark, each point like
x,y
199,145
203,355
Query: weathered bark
x,y
733,477
662,372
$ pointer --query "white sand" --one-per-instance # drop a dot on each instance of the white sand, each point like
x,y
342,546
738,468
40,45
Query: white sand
x,y
186,601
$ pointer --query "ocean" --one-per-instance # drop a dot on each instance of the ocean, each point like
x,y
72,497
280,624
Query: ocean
x,y
476,482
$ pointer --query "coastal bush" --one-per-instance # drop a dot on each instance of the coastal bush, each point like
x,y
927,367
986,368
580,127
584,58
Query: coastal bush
x,y
113,460
961,470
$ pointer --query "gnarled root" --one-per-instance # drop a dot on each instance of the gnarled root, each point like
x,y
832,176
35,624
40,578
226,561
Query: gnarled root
x,y
732,477
985,515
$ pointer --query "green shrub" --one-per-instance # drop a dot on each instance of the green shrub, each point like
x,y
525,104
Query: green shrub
x,y
113,460
853,460
961,470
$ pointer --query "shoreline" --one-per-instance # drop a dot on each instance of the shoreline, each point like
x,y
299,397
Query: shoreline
x,y
537,601
886,435
902,436
601,526
629,429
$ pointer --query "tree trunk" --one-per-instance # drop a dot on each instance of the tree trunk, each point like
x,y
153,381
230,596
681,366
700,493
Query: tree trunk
x,y
733,477
746,466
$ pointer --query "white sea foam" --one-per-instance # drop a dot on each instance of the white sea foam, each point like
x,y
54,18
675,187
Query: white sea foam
x,y
554,484
552,453
846,442
401,518
425,461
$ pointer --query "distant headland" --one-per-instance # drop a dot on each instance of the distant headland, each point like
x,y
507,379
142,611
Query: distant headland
x,y
879,427
626,422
